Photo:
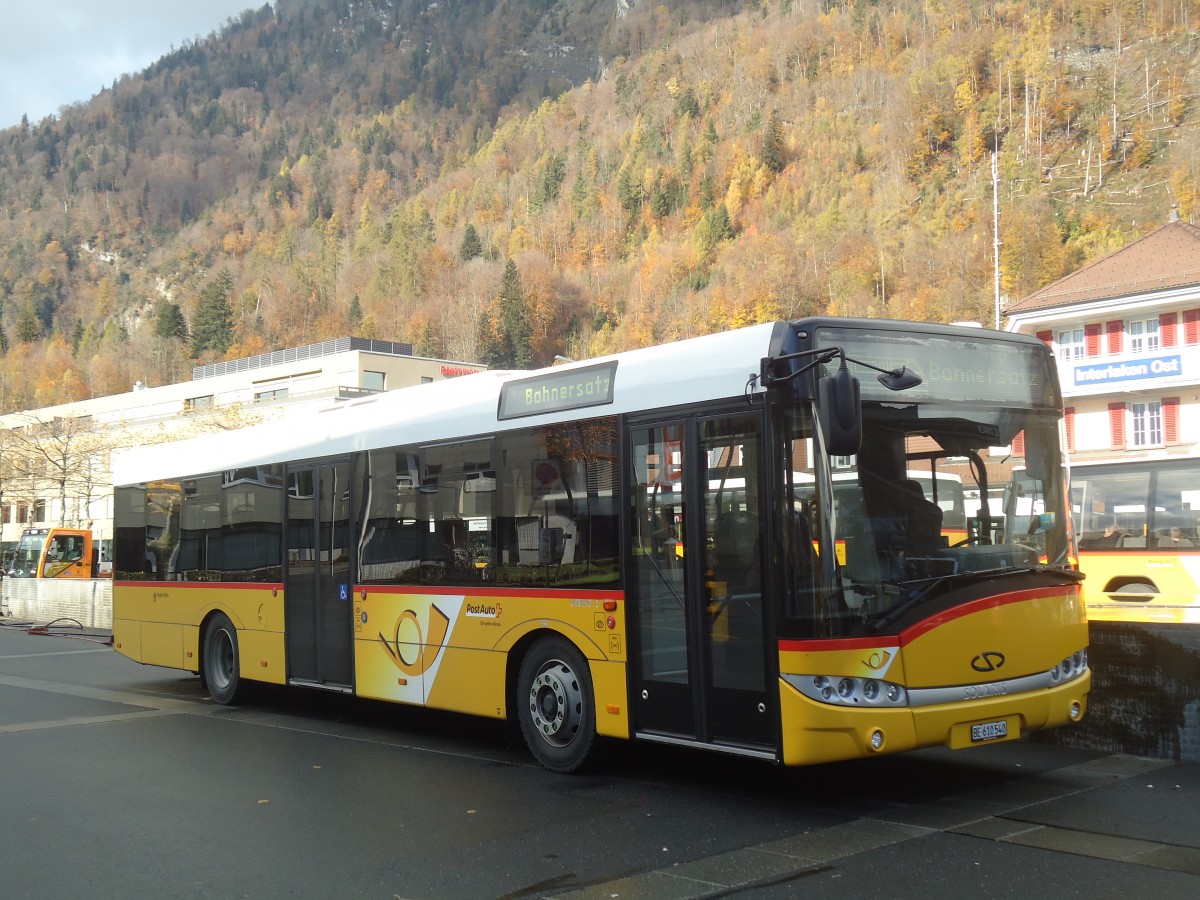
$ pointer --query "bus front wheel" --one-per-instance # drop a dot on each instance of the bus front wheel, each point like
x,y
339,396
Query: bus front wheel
x,y
222,663
556,706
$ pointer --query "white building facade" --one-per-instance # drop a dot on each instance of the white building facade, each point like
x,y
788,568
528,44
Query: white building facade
x,y
220,396
1125,331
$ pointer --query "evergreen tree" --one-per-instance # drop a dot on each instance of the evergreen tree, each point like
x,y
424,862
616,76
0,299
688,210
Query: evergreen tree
x,y
471,246
427,345
169,321
488,348
29,326
516,334
549,183
212,326
772,151
629,191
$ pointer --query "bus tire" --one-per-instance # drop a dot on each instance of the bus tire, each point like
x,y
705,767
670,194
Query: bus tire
x,y
556,706
1136,587
221,660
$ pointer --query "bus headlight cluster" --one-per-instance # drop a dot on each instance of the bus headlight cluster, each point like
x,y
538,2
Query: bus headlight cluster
x,y
1070,668
844,690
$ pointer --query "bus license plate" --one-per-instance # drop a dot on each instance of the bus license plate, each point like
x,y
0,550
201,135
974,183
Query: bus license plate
x,y
989,731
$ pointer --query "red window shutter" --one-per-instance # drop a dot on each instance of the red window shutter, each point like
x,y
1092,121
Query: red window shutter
x,y
1069,422
1116,422
1170,414
1092,336
1046,337
1114,330
1191,326
1167,331
1018,445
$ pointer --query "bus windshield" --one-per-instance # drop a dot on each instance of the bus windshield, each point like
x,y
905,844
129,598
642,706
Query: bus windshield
x,y
897,531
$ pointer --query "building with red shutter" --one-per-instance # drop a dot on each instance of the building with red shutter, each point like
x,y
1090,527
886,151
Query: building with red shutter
x,y
1125,330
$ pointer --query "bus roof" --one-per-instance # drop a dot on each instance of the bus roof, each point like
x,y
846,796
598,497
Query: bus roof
x,y
712,367
689,371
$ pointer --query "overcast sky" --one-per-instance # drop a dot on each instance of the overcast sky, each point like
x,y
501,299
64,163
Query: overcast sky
x,y
57,52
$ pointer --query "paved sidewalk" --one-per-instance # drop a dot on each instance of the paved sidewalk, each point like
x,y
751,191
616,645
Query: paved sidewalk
x,y
1123,809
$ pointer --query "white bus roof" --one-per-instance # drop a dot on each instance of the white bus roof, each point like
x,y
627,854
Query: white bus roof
x,y
689,371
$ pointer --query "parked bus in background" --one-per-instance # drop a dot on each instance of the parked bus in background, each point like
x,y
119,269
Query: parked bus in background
x,y
57,553
644,546
1138,525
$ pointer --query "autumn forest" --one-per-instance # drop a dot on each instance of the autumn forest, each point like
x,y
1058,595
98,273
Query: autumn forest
x,y
504,181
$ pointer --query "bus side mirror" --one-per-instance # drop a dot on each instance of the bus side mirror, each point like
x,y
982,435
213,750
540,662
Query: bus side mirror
x,y
840,412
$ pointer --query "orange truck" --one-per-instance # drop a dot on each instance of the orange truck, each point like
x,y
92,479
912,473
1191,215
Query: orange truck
x,y
57,553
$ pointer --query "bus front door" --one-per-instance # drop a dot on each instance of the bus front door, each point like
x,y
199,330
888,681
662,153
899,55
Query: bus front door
x,y
700,672
318,602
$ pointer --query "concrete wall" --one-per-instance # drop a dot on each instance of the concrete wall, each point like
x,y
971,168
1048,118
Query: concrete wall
x,y
40,600
1145,696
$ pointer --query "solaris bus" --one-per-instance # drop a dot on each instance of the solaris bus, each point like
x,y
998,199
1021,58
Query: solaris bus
x,y
644,546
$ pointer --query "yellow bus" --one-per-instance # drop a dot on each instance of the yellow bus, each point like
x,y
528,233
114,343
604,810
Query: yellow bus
x,y
643,546
1138,525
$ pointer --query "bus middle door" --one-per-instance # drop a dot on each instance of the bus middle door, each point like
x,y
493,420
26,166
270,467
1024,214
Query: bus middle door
x,y
700,672
318,583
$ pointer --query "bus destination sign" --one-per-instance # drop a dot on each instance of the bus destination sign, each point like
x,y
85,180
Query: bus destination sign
x,y
556,392
980,370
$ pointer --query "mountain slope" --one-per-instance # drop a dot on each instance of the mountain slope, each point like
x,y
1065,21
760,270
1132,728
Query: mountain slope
x,y
373,167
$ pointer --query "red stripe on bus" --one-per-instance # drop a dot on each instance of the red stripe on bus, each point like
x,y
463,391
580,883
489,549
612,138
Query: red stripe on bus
x,y
460,590
910,634
196,585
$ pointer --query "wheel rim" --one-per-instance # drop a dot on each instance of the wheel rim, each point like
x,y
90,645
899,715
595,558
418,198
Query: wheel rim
x,y
556,703
221,673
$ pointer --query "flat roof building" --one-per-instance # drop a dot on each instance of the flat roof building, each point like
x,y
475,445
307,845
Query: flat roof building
x,y
54,461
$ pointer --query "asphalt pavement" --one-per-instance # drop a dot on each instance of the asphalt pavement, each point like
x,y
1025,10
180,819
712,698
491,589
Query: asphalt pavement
x,y
120,780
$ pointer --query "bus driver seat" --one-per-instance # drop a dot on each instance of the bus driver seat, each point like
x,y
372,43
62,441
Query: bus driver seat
x,y
922,517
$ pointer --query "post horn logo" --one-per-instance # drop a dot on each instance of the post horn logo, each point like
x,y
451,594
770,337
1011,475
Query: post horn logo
x,y
988,661
439,625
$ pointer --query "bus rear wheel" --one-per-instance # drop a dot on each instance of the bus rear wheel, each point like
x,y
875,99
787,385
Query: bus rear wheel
x,y
555,705
221,660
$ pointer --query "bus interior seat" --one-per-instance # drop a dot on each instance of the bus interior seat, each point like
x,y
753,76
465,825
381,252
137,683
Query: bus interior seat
x,y
1179,539
1131,541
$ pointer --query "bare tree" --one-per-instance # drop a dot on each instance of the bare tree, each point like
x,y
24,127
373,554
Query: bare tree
x,y
59,457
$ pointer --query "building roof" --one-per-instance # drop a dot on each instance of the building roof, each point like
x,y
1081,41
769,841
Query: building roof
x,y
1167,257
308,351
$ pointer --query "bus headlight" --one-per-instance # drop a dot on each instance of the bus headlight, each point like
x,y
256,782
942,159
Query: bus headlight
x,y
1070,668
843,690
